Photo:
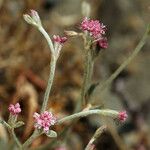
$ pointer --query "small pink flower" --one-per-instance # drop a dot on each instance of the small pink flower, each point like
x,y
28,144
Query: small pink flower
x,y
14,109
85,24
58,39
94,27
103,43
33,13
122,116
44,120
92,147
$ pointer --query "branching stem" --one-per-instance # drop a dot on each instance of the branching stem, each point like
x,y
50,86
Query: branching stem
x,y
96,135
104,112
11,130
105,84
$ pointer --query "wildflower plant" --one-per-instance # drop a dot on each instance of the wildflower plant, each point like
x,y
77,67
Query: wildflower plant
x,y
93,32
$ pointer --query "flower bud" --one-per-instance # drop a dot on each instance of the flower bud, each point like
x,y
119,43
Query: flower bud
x,y
71,33
33,18
122,116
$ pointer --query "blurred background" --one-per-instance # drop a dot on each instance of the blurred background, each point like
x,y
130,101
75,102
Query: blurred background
x,y
24,68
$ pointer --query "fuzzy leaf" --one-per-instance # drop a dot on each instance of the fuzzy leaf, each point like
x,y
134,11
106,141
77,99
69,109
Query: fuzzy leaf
x,y
19,124
51,134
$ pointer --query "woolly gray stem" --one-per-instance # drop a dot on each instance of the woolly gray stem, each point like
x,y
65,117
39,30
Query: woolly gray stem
x,y
11,130
15,138
104,112
5,124
96,135
47,37
49,84
34,135
52,68
88,71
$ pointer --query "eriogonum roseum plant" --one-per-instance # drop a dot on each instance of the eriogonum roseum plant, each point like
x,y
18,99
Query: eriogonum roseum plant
x,y
14,109
44,120
92,31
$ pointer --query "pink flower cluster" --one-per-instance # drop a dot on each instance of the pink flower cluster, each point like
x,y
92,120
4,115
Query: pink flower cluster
x,y
103,43
58,39
44,120
122,116
96,29
14,109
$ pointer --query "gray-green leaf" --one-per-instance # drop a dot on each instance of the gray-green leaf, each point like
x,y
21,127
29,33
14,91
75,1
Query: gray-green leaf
x,y
51,134
19,124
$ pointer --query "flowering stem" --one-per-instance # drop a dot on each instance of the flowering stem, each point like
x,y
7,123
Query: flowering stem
x,y
47,37
106,83
34,135
5,124
11,130
52,68
46,97
104,112
50,82
88,70
96,135
15,138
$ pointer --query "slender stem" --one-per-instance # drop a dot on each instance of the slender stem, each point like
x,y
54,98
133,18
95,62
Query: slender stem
x,y
96,135
88,71
52,68
104,112
11,130
46,98
34,135
50,82
138,48
47,37
5,124
15,138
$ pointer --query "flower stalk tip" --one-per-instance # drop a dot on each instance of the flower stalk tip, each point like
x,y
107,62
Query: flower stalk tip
x,y
122,116
58,43
33,18
58,39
